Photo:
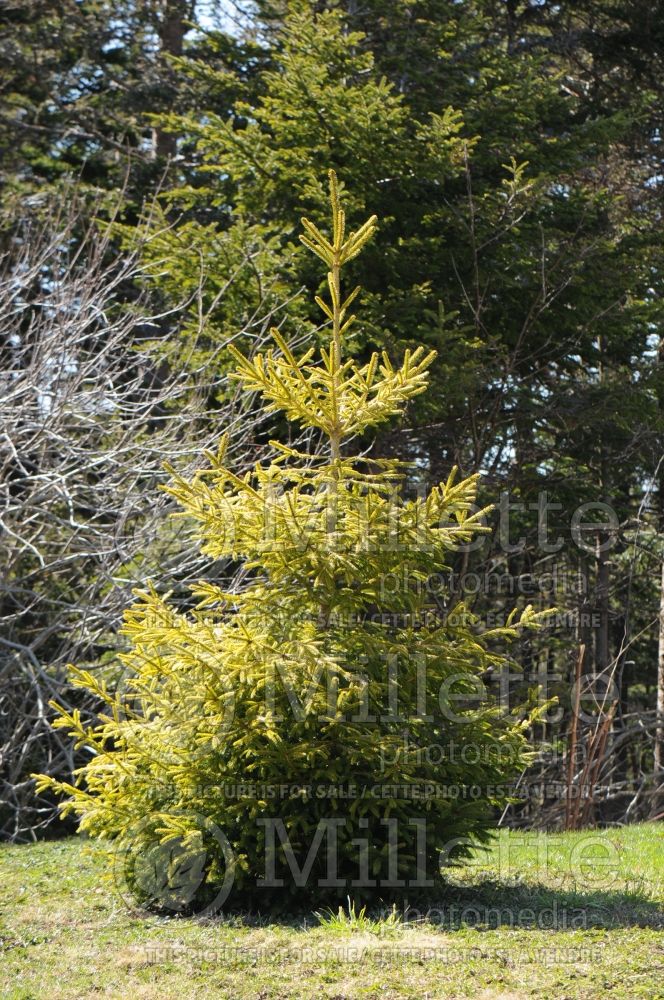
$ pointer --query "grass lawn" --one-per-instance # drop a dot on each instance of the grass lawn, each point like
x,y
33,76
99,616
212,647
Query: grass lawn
x,y
550,916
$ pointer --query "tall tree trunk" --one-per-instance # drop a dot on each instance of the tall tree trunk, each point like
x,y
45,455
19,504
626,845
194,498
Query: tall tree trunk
x,y
584,634
659,732
602,651
172,29
659,704
602,648
658,797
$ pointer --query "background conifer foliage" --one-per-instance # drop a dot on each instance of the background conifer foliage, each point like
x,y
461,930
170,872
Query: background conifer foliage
x,y
273,742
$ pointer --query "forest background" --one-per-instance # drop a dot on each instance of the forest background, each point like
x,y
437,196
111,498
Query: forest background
x,y
156,157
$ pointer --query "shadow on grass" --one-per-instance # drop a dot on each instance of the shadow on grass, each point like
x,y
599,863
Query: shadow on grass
x,y
491,902
482,899
486,904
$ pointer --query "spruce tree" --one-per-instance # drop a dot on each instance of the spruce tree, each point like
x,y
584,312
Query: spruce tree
x,y
325,729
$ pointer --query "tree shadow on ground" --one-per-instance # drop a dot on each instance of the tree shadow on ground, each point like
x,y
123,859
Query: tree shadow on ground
x,y
487,903
492,902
